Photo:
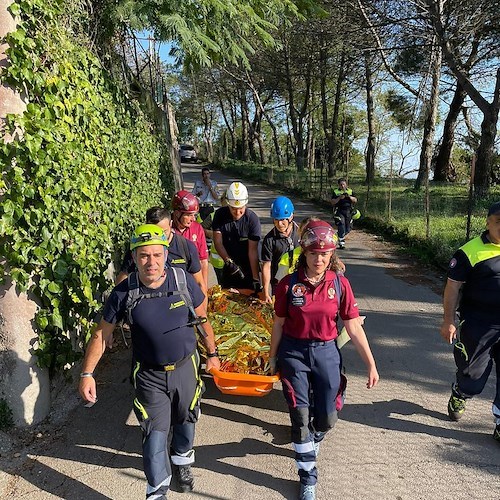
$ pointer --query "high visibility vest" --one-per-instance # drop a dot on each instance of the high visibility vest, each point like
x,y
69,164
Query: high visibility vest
x,y
286,264
215,259
338,192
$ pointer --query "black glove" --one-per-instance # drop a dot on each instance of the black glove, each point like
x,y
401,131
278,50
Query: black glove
x,y
233,270
257,287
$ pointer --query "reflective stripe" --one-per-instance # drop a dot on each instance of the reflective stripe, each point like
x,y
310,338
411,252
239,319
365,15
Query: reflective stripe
x,y
284,265
134,373
183,458
199,386
151,489
307,466
303,447
143,411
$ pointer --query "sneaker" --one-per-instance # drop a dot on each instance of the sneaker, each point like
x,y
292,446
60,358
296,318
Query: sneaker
x,y
341,244
316,447
456,406
184,477
496,433
307,492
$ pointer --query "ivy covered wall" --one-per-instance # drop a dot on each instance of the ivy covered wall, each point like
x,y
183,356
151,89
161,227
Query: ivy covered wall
x,y
87,164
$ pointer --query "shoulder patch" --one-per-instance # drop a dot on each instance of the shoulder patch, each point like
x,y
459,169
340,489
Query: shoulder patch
x,y
453,263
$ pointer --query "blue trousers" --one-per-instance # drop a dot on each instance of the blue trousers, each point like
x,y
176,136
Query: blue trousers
x,y
310,374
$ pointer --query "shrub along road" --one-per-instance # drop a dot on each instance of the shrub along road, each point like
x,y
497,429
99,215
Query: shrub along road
x,y
391,442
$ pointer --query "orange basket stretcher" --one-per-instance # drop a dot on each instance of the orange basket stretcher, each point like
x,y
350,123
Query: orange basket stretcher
x,y
243,384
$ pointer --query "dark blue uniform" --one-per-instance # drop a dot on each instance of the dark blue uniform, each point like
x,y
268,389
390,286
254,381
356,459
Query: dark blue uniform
x,y
235,237
477,265
343,212
166,379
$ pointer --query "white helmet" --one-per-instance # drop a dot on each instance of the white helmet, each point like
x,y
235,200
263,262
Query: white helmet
x,y
237,195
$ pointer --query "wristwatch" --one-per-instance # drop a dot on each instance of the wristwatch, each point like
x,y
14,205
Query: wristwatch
x,y
214,354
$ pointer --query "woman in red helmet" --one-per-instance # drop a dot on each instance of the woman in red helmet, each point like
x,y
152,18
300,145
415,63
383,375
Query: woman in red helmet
x,y
303,348
186,206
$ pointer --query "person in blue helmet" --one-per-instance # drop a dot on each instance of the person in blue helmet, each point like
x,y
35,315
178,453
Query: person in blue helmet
x,y
280,248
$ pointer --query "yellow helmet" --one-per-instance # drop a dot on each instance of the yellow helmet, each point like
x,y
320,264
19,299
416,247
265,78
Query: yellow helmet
x,y
148,234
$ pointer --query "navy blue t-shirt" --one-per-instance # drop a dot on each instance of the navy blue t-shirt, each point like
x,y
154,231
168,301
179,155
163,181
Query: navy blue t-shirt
x,y
235,235
177,256
156,338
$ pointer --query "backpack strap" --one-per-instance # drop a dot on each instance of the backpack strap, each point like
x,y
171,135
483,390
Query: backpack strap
x,y
185,250
134,295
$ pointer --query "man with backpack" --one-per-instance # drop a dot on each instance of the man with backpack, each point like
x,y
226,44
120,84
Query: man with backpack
x,y
162,305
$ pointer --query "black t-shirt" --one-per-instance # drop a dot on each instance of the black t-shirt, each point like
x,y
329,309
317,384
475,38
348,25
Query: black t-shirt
x,y
477,264
235,235
156,338
180,254
276,244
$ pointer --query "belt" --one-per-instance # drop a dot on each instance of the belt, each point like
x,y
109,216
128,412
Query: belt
x,y
309,342
166,368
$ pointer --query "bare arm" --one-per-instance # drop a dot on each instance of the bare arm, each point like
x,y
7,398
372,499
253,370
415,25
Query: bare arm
x,y
276,335
253,257
358,336
266,281
204,272
209,340
450,303
102,337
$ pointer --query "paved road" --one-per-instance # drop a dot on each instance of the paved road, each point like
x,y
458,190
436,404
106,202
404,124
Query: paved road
x,y
392,442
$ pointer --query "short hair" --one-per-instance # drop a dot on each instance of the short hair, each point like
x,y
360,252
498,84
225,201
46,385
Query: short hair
x,y
205,169
341,180
157,214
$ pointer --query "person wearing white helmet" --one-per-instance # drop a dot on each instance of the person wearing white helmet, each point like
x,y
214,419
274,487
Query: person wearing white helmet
x,y
236,233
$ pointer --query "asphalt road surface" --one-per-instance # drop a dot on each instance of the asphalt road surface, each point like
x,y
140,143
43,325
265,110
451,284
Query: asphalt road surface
x,y
392,442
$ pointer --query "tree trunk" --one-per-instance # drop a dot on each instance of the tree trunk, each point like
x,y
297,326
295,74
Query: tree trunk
x,y
430,121
334,149
485,153
370,143
443,168
244,126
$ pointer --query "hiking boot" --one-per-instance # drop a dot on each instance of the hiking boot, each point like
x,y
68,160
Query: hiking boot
x,y
307,492
496,433
456,406
184,477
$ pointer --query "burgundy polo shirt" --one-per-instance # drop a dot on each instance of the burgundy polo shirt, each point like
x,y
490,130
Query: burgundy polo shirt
x,y
314,315
195,234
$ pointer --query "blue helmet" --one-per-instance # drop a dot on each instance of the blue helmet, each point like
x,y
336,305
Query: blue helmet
x,y
282,208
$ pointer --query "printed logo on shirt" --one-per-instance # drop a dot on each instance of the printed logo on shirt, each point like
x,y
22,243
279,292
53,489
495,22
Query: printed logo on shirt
x,y
299,290
177,304
331,293
453,263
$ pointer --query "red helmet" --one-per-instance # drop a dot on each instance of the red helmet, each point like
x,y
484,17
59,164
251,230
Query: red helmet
x,y
185,202
318,236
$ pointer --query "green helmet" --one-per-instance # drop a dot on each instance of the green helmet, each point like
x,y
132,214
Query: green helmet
x,y
356,214
148,234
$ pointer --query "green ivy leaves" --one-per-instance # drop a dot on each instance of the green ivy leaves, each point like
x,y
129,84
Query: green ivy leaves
x,y
75,182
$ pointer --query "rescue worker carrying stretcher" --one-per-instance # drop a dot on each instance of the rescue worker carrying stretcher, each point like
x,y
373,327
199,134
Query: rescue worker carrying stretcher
x,y
236,232
167,304
280,248
303,347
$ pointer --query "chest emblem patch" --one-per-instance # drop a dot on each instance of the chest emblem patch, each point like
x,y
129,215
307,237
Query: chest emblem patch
x,y
331,293
194,237
298,290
